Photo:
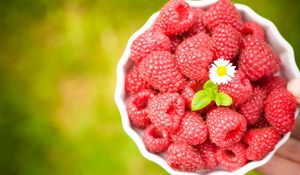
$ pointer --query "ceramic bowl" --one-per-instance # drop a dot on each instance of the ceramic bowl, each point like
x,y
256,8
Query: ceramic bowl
x,y
289,70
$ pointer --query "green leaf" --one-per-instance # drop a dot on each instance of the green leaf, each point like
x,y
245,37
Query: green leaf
x,y
226,100
218,99
200,100
210,85
211,93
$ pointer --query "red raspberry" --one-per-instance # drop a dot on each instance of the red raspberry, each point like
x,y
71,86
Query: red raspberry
x,y
156,140
193,43
137,108
192,130
261,142
133,81
198,26
239,88
233,157
184,157
160,70
253,107
261,123
225,126
225,42
280,110
166,111
254,29
175,17
195,64
222,12
189,91
257,59
147,42
208,152
175,41
271,83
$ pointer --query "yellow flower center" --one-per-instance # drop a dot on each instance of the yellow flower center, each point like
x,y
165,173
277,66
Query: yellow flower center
x,y
221,71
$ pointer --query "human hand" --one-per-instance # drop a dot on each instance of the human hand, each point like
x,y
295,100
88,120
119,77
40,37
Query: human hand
x,y
287,158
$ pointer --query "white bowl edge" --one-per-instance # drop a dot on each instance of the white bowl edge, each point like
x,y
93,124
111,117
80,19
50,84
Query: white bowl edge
x,y
120,93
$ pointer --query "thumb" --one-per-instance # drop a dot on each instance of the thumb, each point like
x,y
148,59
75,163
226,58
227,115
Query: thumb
x,y
294,87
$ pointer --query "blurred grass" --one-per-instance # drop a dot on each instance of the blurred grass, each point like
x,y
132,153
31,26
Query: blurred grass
x,y
57,74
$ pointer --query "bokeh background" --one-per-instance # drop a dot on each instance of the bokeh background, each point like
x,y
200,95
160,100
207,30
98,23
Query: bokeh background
x,y
57,79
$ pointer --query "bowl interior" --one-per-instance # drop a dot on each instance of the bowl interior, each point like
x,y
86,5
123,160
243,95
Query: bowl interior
x,y
289,70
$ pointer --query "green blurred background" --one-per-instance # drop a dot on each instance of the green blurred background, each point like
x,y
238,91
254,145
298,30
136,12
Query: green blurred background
x,y
57,74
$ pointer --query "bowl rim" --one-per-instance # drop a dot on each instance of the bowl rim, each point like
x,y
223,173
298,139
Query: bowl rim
x,y
120,92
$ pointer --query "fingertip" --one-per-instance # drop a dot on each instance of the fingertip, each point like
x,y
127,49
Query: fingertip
x,y
294,87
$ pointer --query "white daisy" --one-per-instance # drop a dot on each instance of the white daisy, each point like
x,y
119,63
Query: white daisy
x,y
221,71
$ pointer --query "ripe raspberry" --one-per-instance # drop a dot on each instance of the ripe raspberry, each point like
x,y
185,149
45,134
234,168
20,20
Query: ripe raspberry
x,y
225,42
175,17
271,83
193,43
261,142
133,82
208,152
261,123
137,108
198,26
147,42
222,12
239,88
225,126
156,140
253,107
257,59
189,91
233,157
254,29
195,64
160,71
166,111
192,130
280,110
184,157
175,41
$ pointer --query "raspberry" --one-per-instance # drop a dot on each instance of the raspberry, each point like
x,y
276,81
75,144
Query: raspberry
x,y
175,17
225,126
261,142
225,42
137,108
233,157
156,140
184,157
192,130
261,123
193,43
208,152
160,70
239,88
254,29
195,64
257,59
271,83
133,82
166,111
222,12
147,42
175,42
280,110
252,108
189,91
198,26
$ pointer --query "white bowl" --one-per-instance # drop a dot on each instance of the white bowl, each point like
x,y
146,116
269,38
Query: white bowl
x,y
289,70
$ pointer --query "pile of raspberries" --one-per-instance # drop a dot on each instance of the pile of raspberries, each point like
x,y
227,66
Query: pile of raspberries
x,y
171,63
